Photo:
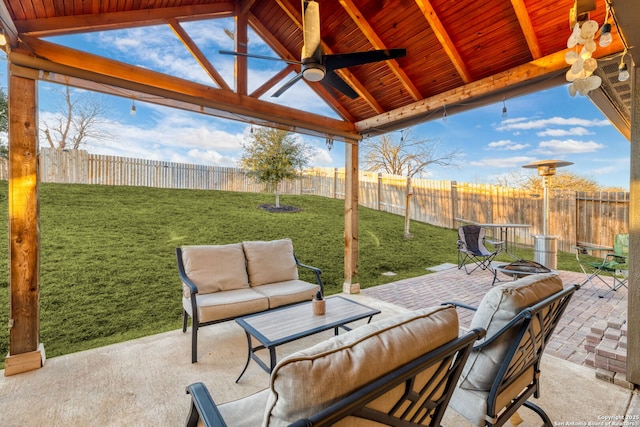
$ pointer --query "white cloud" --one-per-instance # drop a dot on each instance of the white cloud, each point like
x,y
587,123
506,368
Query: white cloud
x,y
506,144
509,162
575,131
520,124
567,146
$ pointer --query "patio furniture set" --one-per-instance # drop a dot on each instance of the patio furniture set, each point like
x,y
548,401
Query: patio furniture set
x,y
403,370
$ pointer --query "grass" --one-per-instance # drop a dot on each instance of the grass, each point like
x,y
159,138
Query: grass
x,y
107,263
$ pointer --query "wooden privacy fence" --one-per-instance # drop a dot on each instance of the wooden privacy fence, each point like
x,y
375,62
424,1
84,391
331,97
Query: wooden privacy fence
x,y
573,216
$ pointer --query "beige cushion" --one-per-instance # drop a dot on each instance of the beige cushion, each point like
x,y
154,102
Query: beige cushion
x,y
308,381
501,304
223,305
245,412
270,262
215,268
283,293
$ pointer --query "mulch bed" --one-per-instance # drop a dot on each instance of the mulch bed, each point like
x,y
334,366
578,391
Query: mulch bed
x,y
281,208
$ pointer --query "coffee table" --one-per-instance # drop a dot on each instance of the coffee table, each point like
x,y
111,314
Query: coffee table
x,y
282,325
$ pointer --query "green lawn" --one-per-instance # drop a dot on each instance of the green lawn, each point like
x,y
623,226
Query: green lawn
x,y
108,269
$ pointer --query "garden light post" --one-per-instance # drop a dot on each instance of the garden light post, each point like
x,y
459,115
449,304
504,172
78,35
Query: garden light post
x,y
545,249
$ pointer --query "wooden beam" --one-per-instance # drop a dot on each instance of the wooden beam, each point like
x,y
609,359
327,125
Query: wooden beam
x,y
118,20
188,42
241,44
24,233
633,301
377,43
351,284
527,28
82,65
518,75
10,30
443,37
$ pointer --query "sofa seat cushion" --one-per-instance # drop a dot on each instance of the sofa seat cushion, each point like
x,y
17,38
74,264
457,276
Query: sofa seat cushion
x,y
288,292
270,262
245,412
472,404
215,268
310,380
498,307
224,305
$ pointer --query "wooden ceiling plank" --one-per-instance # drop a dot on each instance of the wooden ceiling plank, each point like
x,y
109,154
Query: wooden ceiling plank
x,y
498,82
191,46
443,37
60,25
55,58
527,28
377,43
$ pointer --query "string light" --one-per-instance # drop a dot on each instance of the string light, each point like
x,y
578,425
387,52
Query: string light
x,y
133,107
329,143
504,109
444,113
623,71
3,38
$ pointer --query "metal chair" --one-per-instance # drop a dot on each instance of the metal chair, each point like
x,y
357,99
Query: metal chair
x,y
612,271
493,389
471,248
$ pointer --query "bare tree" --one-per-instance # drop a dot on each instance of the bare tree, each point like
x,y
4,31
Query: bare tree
x,y
563,180
78,121
408,157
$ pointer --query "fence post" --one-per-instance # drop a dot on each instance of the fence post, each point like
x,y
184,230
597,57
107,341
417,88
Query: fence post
x,y
379,191
454,203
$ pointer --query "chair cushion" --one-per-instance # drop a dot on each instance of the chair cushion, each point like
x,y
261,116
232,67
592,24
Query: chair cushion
x,y
270,262
283,293
310,380
245,412
501,304
215,268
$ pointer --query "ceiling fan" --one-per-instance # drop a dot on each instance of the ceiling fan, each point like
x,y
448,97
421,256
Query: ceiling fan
x,y
318,67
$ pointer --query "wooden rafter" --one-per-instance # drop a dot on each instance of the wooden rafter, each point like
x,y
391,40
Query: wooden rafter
x,y
498,82
443,37
377,43
118,20
59,59
197,54
527,28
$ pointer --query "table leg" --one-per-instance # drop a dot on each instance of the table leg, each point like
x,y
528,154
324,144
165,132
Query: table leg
x,y
246,365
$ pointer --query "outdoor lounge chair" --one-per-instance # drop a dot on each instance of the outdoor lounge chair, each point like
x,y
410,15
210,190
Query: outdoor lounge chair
x,y
503,371
612,271
471,248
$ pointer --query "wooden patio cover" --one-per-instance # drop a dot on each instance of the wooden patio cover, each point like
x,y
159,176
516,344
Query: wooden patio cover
x,y
460,54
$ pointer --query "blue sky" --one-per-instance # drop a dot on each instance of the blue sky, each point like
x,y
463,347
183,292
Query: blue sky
x,y
545,125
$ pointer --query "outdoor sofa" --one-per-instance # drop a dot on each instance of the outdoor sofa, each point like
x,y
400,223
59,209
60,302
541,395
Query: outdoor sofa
x,y
398,371
222,282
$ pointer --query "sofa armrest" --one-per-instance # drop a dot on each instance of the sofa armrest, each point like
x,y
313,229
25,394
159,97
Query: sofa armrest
x,y
316,271
203,408
461,305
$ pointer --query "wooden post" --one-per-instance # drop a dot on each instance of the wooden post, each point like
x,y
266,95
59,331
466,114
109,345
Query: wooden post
x,y
351,190
25,351
633,309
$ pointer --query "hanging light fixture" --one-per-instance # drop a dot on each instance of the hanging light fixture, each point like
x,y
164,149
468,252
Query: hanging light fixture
x,y
133,107
623,71
329,143
504,110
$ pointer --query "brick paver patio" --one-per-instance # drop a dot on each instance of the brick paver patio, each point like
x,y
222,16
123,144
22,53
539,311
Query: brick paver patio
x,y
451,284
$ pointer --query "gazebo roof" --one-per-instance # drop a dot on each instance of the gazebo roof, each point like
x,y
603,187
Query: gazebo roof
x,y
460,55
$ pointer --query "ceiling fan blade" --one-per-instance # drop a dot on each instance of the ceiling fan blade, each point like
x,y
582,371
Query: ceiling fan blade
x,y
342,60
287,85
311,47
333,80
250,55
